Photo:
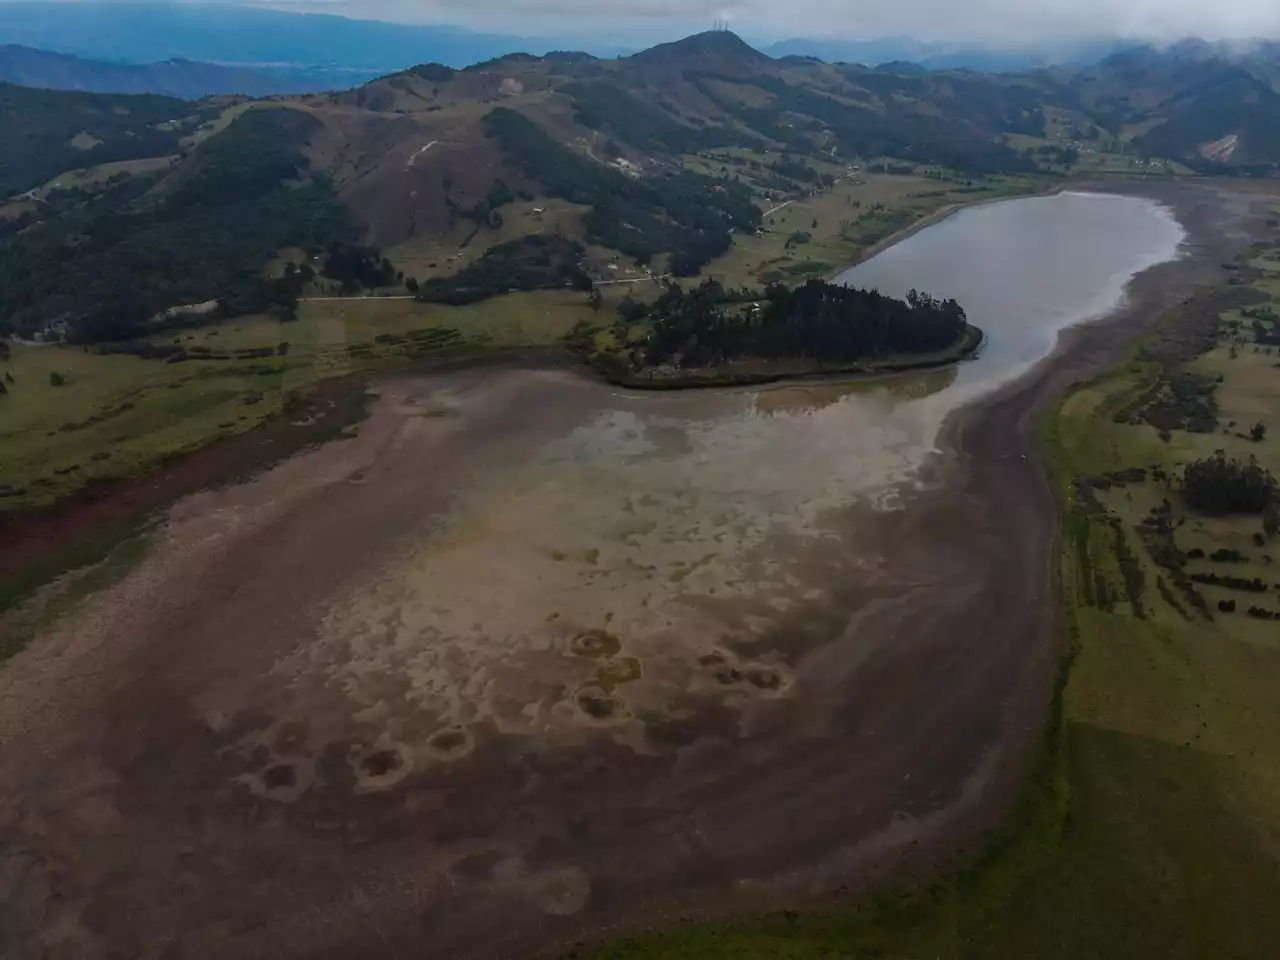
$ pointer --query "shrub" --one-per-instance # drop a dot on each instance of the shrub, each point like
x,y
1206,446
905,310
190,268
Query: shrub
x,y
1228,556
56,379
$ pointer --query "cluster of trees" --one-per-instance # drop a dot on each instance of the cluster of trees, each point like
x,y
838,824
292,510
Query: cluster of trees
x,y
793,169
534,262
485,211
358,268
110,265
816,320
684,214
1218,486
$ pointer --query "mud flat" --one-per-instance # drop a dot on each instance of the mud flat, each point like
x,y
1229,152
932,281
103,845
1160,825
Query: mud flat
x,y
528,647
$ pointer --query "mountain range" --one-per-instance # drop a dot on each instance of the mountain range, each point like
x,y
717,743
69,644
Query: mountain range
x,y
660,157
187,79
142,32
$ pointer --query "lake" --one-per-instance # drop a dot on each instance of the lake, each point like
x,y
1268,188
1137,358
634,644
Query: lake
x,y
662,519
1026,269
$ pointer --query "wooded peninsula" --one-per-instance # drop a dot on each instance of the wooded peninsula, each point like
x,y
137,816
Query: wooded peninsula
x,y
709,334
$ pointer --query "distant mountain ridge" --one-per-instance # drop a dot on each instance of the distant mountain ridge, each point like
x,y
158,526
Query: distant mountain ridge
x,y
987,58
185,79
225,33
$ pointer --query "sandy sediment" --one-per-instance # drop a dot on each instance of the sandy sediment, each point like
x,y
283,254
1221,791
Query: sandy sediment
x,y
524,648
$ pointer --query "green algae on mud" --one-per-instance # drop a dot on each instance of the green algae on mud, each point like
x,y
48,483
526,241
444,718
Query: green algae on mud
x,y
85,530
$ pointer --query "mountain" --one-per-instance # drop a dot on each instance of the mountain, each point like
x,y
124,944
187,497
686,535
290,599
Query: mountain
x,y
947,56
715,51
187,79
46,132
142,32
662,157
1211,105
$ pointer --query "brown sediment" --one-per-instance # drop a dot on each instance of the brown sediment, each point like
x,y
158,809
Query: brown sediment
x,y
324,718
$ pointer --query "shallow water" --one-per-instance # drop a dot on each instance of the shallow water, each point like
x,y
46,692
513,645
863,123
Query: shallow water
x,y
642,514
1026,269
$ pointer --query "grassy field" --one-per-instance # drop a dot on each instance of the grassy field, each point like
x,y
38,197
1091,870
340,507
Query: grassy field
x,y
843,222
119,415
96,176
428,255
1150,827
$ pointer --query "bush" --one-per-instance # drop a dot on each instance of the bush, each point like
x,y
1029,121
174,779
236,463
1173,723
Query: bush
x,y
56,379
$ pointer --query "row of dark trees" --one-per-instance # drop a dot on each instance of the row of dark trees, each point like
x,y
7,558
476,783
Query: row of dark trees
x,y
358,268
816,320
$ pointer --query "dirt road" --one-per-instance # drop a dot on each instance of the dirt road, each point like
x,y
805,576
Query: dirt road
x,y
326,718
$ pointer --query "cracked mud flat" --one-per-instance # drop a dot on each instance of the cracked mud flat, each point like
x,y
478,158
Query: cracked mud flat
x,y
529,660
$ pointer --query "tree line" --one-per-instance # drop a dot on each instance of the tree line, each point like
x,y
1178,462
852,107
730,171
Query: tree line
x,y
817,320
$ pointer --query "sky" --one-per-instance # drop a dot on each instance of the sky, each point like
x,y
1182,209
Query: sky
x,y
962,20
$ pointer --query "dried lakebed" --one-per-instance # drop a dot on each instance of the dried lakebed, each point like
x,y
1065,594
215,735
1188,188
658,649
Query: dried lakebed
x,y
534,648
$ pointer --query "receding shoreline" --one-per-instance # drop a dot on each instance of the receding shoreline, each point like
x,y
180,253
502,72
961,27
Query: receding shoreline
x,y
935,217
933,731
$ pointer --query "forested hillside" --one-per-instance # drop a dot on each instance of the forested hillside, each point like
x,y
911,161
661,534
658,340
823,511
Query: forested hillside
x,y
105,268
43,132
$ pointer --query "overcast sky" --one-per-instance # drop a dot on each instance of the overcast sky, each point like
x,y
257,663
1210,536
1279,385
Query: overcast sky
x,y
776,19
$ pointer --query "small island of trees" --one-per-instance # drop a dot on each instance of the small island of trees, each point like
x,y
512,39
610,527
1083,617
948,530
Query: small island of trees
x,y
829,325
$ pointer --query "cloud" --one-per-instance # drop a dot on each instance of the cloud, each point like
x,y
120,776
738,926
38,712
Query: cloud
x,y
989,20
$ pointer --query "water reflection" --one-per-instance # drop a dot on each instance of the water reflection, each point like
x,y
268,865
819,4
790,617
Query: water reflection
x,y
808,397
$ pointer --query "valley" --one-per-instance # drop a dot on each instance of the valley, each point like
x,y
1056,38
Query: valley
x,y
357,586
649,618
